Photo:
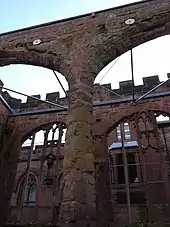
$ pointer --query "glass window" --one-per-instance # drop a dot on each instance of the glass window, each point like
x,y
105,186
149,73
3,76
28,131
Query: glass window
x,y
132,169
118,133
126,132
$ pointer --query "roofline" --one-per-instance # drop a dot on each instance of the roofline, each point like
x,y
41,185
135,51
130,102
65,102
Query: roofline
x,y
128,144
163,123
73,18
95,104
127,147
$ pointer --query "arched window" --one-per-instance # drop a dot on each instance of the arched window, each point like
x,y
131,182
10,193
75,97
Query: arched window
x,y
27,194
30,190
127,135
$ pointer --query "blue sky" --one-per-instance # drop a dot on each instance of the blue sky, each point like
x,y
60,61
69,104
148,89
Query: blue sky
x,y
22,13
149,59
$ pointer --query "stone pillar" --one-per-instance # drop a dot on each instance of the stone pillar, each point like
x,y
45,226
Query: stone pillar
x,y
78,198
103,190
9,153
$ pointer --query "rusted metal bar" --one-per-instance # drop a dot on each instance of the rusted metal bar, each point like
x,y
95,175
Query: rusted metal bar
x,y
32,97
111,91
60,83
109,69
132,70
26,176
126,173
153,89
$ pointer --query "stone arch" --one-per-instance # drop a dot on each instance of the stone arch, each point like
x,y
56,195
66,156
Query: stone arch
x,y
104,125
27,124
20,180
38,127
108,38
19,187
116,38
28,58
22,51
125,116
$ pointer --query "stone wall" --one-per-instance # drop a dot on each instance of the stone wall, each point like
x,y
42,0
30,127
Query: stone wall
x,y
120,211
44,192
102,92
78,48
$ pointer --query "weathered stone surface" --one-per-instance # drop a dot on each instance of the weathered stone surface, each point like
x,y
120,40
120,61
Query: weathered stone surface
x,y
9,153
73,190
103,36
108,115
77,214
78,180
103,193
79,48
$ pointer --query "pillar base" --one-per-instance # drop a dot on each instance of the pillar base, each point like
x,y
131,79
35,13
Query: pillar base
x,y
78,207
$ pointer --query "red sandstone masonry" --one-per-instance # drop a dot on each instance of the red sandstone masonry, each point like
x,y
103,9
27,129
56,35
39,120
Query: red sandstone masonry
x,y
104,117
103,37
79,49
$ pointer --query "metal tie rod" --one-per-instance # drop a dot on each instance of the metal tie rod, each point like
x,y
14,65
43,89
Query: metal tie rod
x,y
60,83
32,97
153,89
125,164
111,91
132,72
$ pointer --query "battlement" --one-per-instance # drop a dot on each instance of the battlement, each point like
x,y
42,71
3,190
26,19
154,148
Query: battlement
x,y
101,93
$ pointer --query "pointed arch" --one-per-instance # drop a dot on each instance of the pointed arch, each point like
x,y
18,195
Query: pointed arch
x,y
31,189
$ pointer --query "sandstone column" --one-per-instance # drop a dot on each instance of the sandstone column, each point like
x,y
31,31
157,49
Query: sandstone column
x,y
9,152
103,192
78,199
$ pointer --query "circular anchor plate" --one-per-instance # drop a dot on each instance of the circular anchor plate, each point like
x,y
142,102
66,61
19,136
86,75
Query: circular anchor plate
x,y
37,41
130,21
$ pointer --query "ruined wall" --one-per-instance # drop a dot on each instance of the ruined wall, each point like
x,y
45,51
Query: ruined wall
x,y
152,167
41,209
8,160
139,211
100,40
102,92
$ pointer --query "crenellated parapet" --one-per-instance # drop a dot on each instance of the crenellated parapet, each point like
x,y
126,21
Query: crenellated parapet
x,y
105,91
101,93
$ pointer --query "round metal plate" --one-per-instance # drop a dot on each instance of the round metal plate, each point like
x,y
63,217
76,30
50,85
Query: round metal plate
x,y
37,41
130,21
